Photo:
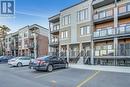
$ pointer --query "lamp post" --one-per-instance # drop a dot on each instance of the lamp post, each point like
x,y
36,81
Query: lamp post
x,y
35,41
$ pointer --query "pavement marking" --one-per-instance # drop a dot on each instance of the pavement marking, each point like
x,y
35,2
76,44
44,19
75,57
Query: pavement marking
x,y
88,79
39,76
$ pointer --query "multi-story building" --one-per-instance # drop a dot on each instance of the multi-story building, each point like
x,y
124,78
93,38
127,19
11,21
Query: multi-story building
x,y
75,30
28,41
111,19
54,24
98,29
8,42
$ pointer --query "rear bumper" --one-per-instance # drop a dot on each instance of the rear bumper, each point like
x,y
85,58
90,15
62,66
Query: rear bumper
x,y
38,67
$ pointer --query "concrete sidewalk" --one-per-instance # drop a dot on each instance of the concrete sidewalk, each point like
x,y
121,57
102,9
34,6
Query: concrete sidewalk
x,y
120,69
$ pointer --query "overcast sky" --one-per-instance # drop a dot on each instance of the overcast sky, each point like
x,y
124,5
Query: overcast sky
x,y
34,12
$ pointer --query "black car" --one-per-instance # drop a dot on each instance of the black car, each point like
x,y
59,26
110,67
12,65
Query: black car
x,y
4,59
48,63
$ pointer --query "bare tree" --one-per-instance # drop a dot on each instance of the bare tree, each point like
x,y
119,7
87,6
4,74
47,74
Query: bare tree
x,y
3,29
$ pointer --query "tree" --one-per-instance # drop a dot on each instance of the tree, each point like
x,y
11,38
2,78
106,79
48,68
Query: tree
x,y
3,30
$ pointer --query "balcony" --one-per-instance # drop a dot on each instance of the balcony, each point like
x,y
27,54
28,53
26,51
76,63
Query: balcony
x,y
55,29
124,11
31,36
104,34
104,16
100,3
123,31
30,46
54,41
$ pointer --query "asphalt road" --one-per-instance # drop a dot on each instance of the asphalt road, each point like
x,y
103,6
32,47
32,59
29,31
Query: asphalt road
x,y
24,77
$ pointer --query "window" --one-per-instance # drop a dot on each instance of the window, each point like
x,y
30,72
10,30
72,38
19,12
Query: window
x,y
64,34
110,31
109,13
128,28
84,30
121,30
95,16
66,20
103,32
25,34
128,8
9,39
102,14
82,14
96,34
122,9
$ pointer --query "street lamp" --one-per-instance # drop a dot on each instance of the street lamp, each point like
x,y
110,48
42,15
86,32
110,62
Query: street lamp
x,y
34,32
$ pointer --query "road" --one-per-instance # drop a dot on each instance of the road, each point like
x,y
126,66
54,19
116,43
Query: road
x,y
24,77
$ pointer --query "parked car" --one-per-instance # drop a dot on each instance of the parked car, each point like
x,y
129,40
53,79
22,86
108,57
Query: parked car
x,y
49,63
19,61
4,59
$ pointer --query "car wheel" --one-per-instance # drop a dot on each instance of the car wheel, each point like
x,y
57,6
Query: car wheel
x,y
50,68
19,64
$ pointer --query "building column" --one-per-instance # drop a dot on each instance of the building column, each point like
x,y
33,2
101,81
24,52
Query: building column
x,y
35,46
59,50
68,53
115,31
92,52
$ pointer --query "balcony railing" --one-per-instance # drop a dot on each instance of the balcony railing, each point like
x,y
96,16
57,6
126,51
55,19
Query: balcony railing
x,y
54,40
103,15
31,45
104,33
55,28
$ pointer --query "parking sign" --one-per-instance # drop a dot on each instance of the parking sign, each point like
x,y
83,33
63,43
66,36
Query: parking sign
x,y
7,7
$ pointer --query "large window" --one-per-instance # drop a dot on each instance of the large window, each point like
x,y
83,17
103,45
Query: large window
x,y
84,30
82,14
104,50
66,20
64,34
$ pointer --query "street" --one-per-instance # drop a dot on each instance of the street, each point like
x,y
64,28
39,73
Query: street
x,y
24,77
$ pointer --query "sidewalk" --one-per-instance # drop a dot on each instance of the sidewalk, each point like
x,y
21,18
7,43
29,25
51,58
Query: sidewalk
x,y
120,69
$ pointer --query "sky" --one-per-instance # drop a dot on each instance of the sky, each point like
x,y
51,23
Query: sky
x,y
29,12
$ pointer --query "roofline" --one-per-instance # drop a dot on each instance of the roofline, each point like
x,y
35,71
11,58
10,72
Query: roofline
x,y
54,16
73,5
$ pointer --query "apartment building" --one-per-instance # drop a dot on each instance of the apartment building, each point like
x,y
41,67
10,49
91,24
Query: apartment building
x,y
96,31
74,32
7,46
54,25
31,40
111,32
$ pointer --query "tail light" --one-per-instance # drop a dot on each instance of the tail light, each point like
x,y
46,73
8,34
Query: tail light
x,y
41,62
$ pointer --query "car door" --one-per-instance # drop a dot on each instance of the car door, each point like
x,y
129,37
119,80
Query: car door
x,y
26,60
54,61
61,62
